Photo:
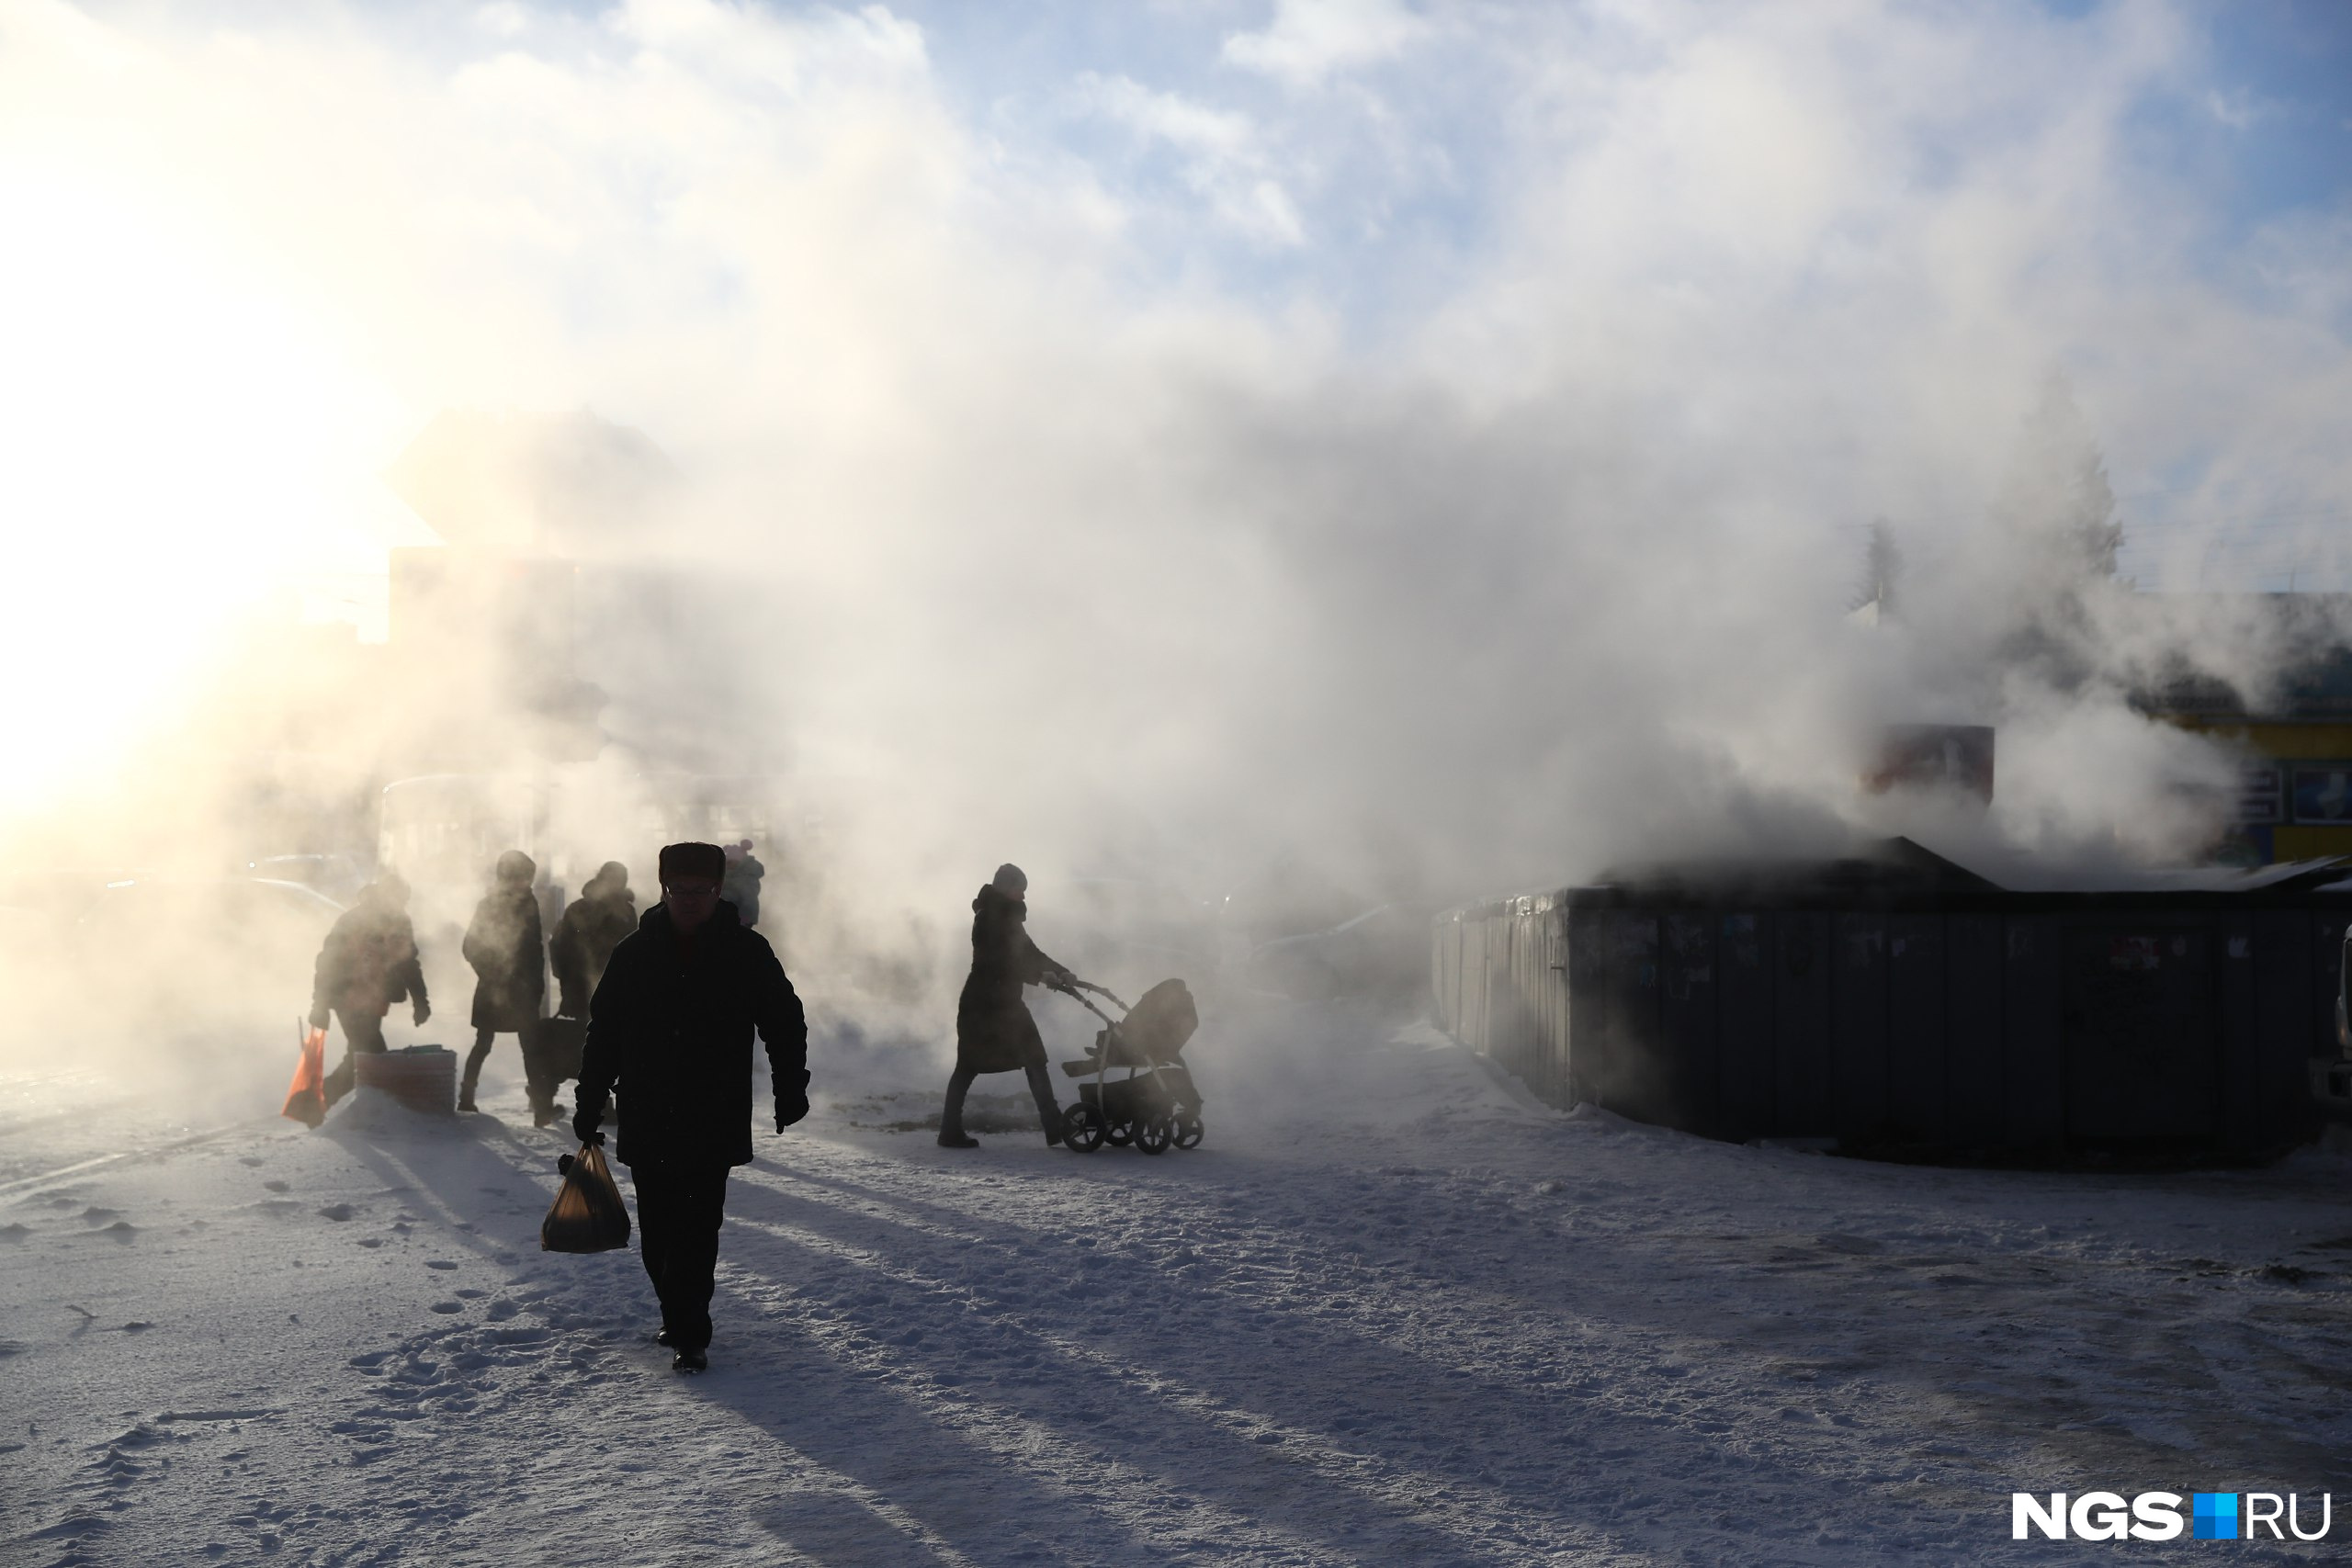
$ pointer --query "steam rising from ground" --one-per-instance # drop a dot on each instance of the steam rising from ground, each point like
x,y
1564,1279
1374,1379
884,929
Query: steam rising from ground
x,y
1444,460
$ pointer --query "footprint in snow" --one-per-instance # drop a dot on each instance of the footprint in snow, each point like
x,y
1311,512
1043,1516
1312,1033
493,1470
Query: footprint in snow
x,y
121,1230
275,1185
247,1159
14,1231
445,1308
439,1263
94,1215
337,1212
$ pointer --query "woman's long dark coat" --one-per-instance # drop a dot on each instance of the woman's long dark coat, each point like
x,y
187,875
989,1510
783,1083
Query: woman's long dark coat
x,y
994,1033
509,959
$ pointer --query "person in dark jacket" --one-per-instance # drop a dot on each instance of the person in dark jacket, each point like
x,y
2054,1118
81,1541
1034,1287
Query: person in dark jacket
x,y
592,925
368,963
510,963
671,1028
742,887
994,1033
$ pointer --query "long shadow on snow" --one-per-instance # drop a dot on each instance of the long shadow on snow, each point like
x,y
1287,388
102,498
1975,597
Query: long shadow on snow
x,y
838,1417
999,1375
1501,1417
1362,1395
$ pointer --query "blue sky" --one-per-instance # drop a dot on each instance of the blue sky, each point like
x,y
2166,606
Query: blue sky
x,y
2277,125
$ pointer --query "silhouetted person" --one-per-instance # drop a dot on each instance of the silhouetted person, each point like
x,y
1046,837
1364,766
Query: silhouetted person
x,y
994,1033
670,1028
509,958
368,963
592,925
741,886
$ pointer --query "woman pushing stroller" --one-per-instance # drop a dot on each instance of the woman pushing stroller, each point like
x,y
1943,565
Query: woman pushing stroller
x,y
994,1033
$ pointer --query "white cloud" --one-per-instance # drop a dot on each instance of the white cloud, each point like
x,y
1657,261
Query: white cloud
x,y
1214,136
2239,111
502,18
1221,153
1309,41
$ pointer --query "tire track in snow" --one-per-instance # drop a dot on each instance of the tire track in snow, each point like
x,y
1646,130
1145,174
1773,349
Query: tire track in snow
x,y
28,1183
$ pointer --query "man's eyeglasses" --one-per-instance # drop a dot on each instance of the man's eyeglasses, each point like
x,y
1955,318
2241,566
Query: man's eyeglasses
x,y
691,892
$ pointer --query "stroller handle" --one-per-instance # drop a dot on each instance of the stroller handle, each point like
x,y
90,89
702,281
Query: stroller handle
x,y
1100,991
1072,991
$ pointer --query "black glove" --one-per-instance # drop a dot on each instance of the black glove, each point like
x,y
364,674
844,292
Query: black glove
x,y
423,1011
318,1018
583,1123
787,1111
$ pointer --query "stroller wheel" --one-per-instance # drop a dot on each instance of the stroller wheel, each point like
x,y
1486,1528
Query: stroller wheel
x,y
1082,1129
1118,1134
1187,1130
1153,1136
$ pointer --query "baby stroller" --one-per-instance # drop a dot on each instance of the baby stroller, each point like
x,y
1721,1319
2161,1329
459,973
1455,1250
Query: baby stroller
x,y
1154,1104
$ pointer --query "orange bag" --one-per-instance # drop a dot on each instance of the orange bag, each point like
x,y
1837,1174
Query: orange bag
x,y
306,1101
588,1214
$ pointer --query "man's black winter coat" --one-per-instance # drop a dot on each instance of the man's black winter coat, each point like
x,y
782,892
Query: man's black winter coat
x,y
671,1027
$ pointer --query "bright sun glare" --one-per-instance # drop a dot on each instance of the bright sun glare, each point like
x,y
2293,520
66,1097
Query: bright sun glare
x,y
182,442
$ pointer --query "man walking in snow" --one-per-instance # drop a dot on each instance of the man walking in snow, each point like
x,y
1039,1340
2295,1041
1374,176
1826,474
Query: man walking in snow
x,y
670,1028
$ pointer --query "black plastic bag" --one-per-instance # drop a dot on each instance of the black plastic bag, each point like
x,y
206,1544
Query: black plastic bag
x,y
588,1214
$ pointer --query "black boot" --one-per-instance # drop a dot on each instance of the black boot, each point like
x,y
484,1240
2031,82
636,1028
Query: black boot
x,y
956,1140
690,1361
466,1095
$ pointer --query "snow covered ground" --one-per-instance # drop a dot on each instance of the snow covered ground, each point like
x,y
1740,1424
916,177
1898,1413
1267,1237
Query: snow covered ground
x,y
1390,1312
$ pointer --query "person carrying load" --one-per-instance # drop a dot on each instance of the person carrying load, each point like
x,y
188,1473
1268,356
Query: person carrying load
x,y
670,1029
368,963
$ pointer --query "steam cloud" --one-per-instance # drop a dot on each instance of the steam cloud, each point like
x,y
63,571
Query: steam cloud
x,y
1442,459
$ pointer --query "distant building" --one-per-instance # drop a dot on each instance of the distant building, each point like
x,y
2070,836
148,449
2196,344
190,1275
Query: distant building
x,y
2294,797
